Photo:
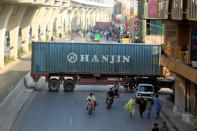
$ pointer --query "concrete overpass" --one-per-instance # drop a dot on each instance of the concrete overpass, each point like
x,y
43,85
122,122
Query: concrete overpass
x,y
42,19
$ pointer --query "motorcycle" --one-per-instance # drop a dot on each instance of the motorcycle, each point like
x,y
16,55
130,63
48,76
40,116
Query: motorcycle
x,y
89,107
116,91
109,101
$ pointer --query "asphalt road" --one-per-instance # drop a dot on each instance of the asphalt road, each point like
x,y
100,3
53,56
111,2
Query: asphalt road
x,y
60,111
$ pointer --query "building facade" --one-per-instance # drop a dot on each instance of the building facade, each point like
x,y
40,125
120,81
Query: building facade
x,y
180,52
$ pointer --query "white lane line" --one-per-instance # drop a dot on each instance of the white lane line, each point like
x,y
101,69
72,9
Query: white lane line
x,y
70,121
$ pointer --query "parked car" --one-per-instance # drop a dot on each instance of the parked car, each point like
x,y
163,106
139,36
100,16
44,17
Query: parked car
x,y
145,91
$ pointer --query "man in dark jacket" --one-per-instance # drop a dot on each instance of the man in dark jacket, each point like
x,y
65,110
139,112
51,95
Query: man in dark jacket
x,y
155,128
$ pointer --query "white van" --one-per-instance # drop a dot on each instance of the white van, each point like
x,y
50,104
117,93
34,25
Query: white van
x,y
145,91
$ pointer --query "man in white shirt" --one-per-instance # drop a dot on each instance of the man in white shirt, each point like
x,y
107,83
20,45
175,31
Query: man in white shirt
x,y
92,98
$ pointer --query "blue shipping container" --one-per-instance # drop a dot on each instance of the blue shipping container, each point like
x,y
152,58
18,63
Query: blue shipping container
x,y
96,58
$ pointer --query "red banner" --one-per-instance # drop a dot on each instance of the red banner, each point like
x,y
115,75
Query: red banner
x,y
153,8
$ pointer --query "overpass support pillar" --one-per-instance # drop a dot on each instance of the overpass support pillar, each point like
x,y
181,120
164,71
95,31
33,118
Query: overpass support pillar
x,y
109,16
36,21
25,26
83,19
13,25
74,19
89,19
99,16
43,32
64,22
70,17
67,22
59,24
94,18
79,18
105,16
5,13
43,24
50,25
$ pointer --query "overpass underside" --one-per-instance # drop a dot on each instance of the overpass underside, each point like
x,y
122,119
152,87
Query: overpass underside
x,y
41,20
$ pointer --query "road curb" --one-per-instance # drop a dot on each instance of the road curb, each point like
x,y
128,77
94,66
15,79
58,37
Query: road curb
x,y
14,102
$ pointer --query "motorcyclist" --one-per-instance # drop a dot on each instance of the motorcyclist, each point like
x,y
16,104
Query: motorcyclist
x,y
92,99
95,103
110,94
116,88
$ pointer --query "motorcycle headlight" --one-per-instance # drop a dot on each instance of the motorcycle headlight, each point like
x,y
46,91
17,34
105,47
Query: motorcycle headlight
x,y
139,94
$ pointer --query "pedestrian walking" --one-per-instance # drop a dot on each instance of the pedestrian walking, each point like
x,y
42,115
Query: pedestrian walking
x,y
148,108
157,106
164,127
130,106
142,106
155,128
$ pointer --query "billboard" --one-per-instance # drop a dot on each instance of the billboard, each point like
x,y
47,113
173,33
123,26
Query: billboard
x,y
153,9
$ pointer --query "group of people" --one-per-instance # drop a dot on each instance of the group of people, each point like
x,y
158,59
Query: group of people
x,y
110,94
144,106
114,35
131,106
163,128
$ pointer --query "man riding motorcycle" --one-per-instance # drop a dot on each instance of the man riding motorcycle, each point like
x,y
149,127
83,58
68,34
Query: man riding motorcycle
x,y
91,98
110,94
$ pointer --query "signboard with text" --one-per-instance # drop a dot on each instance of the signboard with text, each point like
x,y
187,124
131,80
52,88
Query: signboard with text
x,y
153,8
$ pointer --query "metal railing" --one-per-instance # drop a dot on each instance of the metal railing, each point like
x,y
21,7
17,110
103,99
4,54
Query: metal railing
x,y
163,5
192,10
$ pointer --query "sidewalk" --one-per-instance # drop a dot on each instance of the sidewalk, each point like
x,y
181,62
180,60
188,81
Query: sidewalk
x,y
178,124
13,92
12,73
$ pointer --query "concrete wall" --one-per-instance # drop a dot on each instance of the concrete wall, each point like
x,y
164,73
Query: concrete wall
x,y
185,98
192,99
180,93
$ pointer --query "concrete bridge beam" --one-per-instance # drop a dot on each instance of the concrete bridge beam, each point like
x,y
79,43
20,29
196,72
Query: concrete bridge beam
x,y
13,24
5,13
